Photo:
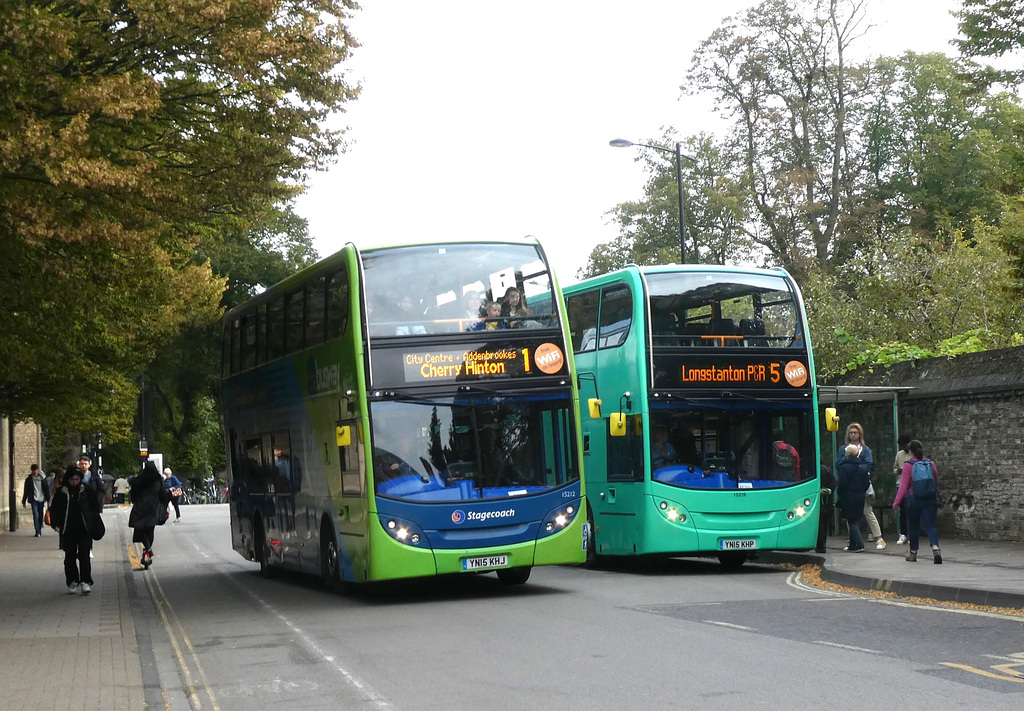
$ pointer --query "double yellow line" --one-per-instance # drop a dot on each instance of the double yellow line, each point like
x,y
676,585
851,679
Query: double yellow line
x,y
176,632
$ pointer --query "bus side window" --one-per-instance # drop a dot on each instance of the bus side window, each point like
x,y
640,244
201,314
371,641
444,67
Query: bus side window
x,y
616,316
314,317
293,322
337,305
582,310
225,352
275,329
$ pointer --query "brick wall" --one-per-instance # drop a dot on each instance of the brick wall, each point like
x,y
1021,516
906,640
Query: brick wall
x,y
968,414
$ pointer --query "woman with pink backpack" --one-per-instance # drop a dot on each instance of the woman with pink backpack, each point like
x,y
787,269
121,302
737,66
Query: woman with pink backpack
x,y
919,485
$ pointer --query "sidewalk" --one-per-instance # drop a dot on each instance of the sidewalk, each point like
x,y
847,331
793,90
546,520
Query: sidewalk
x,y
975,572
59,651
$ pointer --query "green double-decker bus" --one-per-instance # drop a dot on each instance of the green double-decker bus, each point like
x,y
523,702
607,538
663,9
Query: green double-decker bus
x,y
381,425
699,422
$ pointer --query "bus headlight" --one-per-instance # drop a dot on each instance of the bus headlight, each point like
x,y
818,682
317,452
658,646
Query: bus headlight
x,y
403,531
557,519
673,512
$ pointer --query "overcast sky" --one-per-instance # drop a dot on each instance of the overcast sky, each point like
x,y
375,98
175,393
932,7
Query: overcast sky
x,y
486,118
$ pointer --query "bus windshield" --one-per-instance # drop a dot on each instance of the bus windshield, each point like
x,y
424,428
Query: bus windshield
x,y
431,289
740,448
459,448
707,309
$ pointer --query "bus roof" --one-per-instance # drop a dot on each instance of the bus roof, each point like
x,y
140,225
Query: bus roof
x,y
676,268
329,263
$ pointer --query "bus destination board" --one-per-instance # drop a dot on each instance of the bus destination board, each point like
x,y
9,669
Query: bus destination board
x,y
685,372
421,366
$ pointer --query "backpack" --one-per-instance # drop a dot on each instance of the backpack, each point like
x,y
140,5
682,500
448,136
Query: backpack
x,y
923,480
785,463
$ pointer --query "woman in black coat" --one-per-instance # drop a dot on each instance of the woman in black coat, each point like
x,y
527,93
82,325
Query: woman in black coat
x,y
75,514
852,471
149,508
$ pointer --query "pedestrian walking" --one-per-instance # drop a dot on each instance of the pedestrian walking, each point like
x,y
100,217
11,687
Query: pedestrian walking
x,y
855,435
919,485
853,485
902,456
149,508
76,514
120,489
172,484
36,493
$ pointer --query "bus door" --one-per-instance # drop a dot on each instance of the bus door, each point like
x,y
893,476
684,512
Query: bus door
x,y
351,505
619,500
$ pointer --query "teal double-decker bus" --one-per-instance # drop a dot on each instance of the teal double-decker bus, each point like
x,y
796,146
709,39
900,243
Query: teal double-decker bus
x,y
380,425
699,427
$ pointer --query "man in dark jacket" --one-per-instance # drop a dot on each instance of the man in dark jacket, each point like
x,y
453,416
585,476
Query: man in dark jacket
x,y
853,487
75,514
37,492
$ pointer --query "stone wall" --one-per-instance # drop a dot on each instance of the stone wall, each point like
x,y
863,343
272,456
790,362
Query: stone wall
x,y
28,450
967,412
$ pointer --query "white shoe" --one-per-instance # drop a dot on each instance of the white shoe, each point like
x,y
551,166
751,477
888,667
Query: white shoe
x,y
846,548
72,588
881,545
91,554
86,588
902,541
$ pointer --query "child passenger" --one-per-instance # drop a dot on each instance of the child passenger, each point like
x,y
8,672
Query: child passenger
x,y
492,318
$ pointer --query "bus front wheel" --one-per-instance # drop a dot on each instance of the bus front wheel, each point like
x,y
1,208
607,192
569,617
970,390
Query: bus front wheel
x,y
733,560
514,576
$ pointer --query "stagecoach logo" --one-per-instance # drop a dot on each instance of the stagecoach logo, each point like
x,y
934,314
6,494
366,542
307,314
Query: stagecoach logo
x,y
322,380
458,515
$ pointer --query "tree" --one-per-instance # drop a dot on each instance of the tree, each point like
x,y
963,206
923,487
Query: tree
x,y
779,73
649,229
901,298
131,134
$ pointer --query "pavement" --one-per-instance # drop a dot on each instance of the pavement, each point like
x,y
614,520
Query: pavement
x,y
974,572
65,652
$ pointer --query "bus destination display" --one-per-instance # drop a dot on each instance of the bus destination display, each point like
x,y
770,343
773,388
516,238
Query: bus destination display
x,y
422,366
692,372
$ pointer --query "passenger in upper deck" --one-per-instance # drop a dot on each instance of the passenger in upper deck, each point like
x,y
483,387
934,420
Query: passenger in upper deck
x,y
407,313
515,310
492,320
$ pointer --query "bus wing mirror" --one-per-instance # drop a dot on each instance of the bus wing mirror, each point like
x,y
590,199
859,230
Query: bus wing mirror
x,y
831,419
617,424
343,434
595,408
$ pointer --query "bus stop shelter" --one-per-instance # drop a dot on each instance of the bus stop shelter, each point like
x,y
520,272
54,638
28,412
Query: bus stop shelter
x,y
838,395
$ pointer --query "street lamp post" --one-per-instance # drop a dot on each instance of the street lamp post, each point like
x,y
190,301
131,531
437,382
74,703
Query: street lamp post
x,y
623,143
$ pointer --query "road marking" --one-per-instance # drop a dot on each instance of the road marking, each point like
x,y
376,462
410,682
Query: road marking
x,y
729,625
166,610
848,646
795,580
369,693
982,672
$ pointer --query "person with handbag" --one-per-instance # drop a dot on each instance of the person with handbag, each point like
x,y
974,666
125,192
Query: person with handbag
x,y
75,513
172,485
149,508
